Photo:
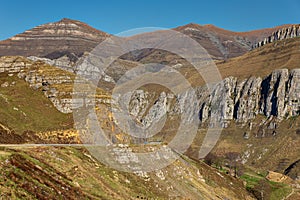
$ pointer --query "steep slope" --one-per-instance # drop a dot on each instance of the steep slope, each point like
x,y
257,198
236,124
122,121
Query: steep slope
x,y
262,61
54,40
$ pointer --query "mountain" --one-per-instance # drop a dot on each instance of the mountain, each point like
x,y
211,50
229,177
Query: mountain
x,y
258,104
54,40
224,44
221,44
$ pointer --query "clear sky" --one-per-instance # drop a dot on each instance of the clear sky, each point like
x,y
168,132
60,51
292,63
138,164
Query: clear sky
x,y
115,16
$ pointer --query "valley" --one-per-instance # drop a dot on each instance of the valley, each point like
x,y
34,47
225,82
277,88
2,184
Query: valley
x,y
43,154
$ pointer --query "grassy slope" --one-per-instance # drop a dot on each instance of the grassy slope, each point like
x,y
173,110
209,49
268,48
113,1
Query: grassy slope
x,y
262,61
258,62
23,108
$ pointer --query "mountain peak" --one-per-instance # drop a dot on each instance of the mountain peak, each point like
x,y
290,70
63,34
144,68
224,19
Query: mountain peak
x,y
56,38
71,24
67,20
189,26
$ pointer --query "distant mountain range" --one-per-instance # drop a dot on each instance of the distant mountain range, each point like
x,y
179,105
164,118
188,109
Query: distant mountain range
x,y
73,38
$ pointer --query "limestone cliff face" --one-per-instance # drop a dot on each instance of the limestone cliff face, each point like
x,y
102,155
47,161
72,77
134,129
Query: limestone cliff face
x,y
55,83
281,34
276,96
63,62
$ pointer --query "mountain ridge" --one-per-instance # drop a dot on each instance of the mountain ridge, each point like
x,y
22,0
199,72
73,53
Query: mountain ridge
x,y
73,38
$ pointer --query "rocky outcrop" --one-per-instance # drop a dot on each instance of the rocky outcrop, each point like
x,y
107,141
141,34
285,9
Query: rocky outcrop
x,y
60,97
13,64
63,62
55,83
281,34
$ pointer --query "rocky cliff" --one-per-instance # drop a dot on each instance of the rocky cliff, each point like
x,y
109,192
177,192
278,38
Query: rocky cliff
x,y
55,83
281,34
275,96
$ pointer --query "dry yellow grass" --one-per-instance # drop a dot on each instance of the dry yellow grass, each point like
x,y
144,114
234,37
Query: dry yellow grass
x,y
262,61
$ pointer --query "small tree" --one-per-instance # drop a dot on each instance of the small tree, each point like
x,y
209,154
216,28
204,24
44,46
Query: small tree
x,y
232,158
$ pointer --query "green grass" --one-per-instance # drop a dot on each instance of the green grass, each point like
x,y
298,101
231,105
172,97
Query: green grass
x,y
251,180
23,108
278,190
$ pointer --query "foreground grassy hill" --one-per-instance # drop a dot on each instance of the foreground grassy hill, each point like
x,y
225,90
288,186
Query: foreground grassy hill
x,y
71,173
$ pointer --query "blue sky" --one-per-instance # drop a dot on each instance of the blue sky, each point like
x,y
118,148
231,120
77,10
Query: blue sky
x,y
114,16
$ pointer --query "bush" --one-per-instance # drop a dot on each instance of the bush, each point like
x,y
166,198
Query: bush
x,y
262,190
210,159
